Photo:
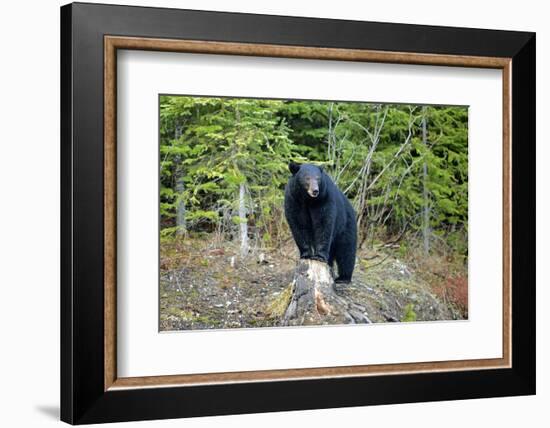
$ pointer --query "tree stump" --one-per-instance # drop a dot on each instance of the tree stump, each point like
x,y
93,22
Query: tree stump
x,y
314,300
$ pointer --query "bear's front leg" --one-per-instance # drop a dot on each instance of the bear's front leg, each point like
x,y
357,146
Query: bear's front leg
x,y
300,226
323,220
304,243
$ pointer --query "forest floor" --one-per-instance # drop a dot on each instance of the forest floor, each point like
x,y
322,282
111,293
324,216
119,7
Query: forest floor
x,y
204,286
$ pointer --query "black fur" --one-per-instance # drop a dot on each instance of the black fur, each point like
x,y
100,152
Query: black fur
x,y
323,226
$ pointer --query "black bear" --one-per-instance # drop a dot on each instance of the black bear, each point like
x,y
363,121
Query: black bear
x,y
322,220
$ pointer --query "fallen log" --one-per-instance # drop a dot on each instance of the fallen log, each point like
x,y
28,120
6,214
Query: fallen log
x,y
314,299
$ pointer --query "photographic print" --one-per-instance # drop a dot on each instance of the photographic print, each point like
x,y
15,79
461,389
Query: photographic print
x,y
277,212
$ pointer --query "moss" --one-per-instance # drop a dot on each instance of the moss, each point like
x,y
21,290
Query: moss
x,y
277,307
179,313
409,313
205,319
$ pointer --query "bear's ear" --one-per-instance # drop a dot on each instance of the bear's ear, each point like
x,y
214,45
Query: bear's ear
x,y
294,167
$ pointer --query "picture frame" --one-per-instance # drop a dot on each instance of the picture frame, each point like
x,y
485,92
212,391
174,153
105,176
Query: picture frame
x,y
91,391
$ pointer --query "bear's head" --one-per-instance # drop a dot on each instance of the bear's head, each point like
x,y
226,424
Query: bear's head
x,y
308,178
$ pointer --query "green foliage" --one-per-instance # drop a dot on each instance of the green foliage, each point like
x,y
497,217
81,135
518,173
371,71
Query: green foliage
x,y
409,314
213,148
215,145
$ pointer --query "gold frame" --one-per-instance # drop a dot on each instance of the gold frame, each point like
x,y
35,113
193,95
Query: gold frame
x,y
113,43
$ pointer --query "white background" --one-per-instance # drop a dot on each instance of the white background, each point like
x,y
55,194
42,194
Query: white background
x,y
29,220
142,351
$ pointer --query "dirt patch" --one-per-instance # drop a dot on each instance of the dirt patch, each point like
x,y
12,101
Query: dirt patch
x,y
204,286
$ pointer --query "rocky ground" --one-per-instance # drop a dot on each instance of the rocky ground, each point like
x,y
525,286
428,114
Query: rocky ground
x,y
204,286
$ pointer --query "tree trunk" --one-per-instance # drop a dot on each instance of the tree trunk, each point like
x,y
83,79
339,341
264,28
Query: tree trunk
x,y
180,207
243,224
315,301
426,209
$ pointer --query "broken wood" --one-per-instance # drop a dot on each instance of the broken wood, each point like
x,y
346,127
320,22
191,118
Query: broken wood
x,y
314,299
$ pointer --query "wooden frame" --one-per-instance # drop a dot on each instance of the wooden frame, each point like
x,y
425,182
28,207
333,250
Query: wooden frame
x,y
112,43
513,53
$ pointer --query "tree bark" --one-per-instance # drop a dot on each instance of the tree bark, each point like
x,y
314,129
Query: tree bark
x,y
315,301
243,224
180,205
426,232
